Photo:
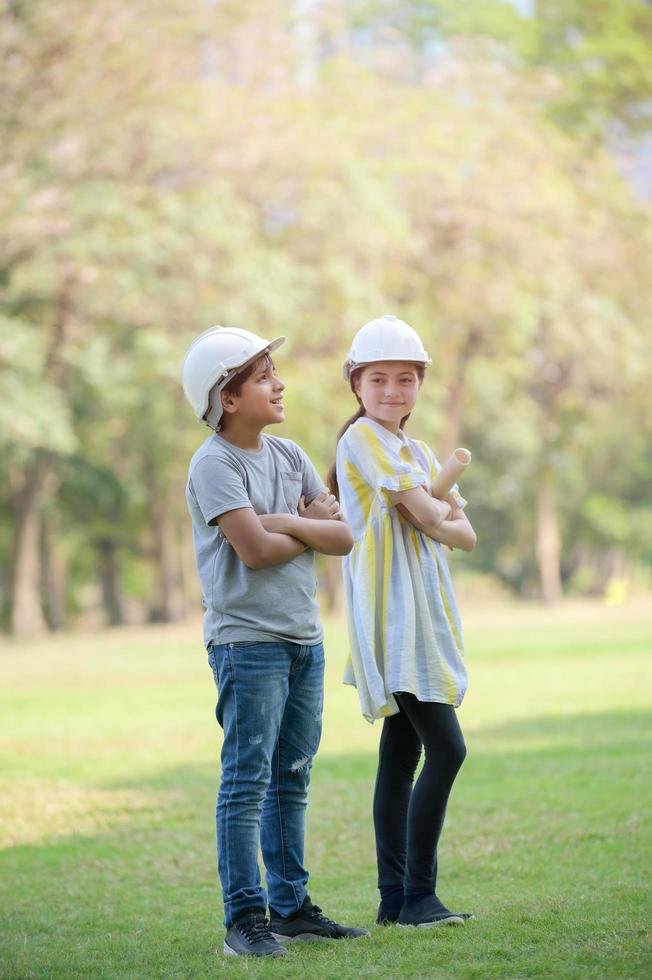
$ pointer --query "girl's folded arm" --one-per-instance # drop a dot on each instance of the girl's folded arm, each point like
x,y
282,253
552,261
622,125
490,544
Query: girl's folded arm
x,y
454,530
423,511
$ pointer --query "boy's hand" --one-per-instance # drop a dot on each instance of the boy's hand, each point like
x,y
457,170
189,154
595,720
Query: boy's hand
x,y
275,523
325,507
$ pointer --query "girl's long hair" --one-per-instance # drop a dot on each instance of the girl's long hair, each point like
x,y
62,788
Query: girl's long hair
x,y
331,476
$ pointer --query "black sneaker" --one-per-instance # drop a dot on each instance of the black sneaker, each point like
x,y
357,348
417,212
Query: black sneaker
x,y
308,924
385,917
428,911
250,936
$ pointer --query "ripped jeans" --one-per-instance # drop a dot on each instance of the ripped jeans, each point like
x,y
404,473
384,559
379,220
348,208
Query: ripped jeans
x,y
270,707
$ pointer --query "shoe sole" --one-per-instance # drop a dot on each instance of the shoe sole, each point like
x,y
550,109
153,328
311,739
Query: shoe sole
x,y
228,951
303,937
311,937
450,920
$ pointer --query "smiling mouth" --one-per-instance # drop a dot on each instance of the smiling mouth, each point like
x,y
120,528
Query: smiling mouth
x,y
278,401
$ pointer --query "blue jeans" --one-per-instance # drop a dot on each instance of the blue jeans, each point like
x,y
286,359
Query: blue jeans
x,y
270,707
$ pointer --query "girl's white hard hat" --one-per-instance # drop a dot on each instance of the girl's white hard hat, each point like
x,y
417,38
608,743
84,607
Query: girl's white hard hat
x,y
385,339
212,360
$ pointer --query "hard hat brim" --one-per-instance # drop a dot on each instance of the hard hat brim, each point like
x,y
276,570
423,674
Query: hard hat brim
x,y
349,366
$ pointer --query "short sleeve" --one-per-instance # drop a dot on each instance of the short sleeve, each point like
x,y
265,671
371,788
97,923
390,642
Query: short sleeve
x,y
312,483
218,487
378,458
435,469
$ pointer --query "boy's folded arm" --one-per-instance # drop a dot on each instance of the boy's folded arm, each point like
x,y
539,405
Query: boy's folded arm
x,y
329,537
255,546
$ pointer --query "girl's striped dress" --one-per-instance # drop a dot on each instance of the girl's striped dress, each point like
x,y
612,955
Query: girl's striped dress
x,y
404,627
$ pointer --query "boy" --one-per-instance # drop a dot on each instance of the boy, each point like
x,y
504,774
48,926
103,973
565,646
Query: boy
x,y
259,512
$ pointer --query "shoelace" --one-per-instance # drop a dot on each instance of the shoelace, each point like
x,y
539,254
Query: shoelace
x,y
255,929
316,912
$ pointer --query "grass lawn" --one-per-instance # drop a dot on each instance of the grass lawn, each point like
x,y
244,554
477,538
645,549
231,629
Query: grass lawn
x,y
109,766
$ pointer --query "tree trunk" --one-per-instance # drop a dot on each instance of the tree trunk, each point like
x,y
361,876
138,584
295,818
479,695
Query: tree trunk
x,y
168,604
456,394
26,614
548,542
450,439
110,582
189,578
53,573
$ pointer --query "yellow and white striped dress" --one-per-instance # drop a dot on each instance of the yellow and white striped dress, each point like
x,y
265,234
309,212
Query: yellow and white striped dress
x,y
404,627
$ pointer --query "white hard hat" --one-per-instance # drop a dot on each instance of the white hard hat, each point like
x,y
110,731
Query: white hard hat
x,y
213,359
385,339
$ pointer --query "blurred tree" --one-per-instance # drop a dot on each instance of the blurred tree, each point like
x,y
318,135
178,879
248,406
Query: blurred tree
x,y
83,120
283,167
602,52
596,55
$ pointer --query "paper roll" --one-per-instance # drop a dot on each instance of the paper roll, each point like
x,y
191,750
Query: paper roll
x,y
450,473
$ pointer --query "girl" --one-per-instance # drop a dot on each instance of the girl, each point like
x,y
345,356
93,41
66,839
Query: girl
x,y
405,634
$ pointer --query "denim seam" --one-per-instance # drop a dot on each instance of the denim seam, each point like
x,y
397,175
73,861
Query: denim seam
x,y
235,774
280,809
298,665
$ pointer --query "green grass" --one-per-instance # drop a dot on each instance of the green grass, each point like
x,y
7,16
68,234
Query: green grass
x,y
109,765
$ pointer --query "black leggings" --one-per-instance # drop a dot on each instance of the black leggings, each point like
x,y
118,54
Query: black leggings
x,y
408,820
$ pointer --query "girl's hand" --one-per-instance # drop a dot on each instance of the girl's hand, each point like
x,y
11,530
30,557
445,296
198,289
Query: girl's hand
x,y
456,532
456,512
325,507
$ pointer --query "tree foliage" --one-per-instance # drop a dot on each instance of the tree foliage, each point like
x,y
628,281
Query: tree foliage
x,y
275,167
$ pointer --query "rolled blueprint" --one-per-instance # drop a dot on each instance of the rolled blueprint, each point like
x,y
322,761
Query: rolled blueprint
x,y
450,473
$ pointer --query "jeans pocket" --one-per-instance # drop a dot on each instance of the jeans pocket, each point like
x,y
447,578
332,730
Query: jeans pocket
x,y
219,660
211,662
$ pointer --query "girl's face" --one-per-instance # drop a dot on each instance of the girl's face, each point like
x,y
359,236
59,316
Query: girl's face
x,y
388,390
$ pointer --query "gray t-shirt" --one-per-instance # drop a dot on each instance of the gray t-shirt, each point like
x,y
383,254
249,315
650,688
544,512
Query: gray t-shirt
x,y
265,604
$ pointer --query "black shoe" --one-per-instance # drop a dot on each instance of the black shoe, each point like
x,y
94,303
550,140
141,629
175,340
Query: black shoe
x,y
385,916
427,911
309,925
250,936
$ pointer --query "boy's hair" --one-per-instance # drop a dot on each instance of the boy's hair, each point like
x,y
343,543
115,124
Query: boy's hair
x,y
331,476
234,387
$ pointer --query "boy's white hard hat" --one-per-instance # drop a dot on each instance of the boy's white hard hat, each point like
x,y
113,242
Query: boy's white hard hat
x,y
385,339
212,360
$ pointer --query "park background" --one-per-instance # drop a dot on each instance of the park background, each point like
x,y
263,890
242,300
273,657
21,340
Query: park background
x,y
482,169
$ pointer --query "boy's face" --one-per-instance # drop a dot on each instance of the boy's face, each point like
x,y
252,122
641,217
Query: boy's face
x,y
260,401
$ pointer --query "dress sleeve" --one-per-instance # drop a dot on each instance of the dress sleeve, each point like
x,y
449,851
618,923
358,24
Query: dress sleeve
x,y
379,461
218,488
